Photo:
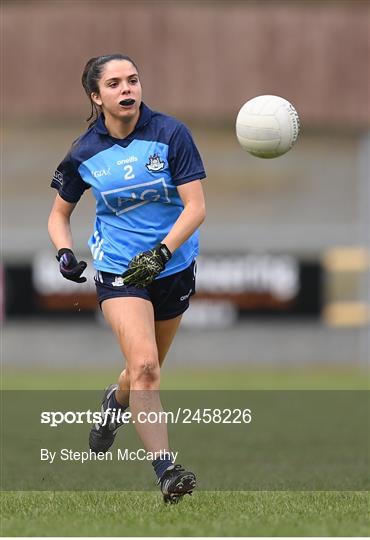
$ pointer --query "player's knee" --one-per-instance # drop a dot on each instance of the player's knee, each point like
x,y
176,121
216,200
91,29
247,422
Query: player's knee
x,y
145,373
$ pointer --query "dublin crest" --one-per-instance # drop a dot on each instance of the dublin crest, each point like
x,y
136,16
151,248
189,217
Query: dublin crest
x,y
155,163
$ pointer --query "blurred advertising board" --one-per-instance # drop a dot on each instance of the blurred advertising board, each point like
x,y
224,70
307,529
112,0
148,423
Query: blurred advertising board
x,y
229,287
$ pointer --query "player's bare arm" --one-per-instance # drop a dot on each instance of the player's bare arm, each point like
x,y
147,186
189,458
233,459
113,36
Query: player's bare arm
x,y
59,223
190,218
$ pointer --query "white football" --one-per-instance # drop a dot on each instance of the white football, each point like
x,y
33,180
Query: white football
x,y
267,126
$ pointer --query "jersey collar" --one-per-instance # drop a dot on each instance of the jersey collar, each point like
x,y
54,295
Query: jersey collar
x,y
144,118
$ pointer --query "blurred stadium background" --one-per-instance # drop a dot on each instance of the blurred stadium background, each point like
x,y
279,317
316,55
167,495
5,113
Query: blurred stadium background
x,y
295,228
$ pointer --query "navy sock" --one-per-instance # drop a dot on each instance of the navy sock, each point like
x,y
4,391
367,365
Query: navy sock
x,y
161,465
114,404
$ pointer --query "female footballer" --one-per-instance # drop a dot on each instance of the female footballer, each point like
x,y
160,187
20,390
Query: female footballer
x,y
145,171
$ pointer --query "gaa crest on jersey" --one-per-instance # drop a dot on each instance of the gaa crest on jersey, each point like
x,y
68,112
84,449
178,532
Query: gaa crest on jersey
x,y
155,163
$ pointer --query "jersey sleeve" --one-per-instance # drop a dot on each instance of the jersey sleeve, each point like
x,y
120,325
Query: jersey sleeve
x,y
67,180
183,157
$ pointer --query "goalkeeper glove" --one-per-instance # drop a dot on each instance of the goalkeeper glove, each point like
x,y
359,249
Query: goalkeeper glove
x,y
69,267
146,266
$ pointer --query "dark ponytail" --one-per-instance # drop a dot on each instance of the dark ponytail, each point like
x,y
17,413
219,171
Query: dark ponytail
x,y
91,76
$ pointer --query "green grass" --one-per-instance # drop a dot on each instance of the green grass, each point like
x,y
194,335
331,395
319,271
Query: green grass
x,y
205,514
230,378
275,513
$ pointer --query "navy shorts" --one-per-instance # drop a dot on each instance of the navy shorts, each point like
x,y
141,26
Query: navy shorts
x,y
169,295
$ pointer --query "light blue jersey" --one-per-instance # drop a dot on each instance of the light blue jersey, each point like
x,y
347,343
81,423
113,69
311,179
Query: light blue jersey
x,y
134,181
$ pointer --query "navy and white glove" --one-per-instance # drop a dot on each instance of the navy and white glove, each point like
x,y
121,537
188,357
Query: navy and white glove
x,y
146,266
69,267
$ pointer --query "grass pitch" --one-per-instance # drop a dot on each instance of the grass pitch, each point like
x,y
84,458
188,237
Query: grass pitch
x,y
204,514
275,513
213,378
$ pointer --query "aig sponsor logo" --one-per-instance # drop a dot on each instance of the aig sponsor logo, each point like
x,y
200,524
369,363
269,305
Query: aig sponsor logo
x,y
127,198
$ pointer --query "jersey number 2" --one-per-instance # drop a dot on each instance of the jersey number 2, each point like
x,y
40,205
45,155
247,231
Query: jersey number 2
x,y
129,175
